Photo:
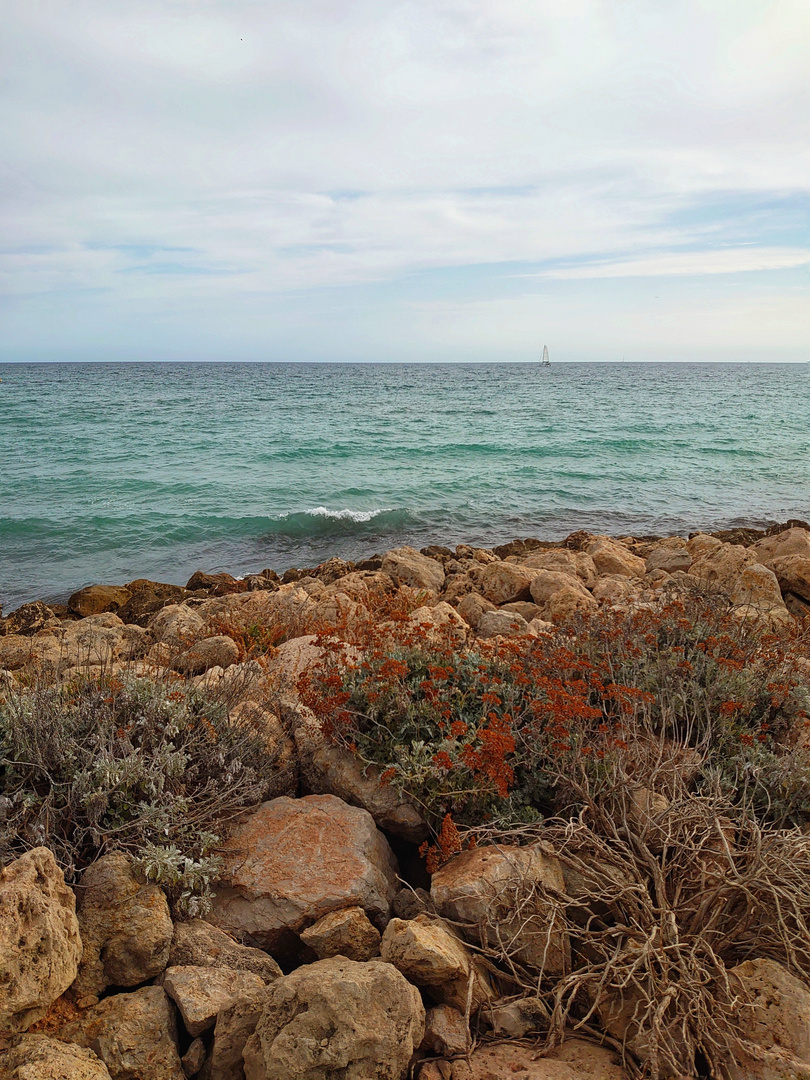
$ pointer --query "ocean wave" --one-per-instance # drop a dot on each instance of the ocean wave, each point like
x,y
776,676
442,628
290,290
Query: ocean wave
x,y
349,515
321,521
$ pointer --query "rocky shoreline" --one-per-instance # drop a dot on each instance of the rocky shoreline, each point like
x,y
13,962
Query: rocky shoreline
x,y
325,946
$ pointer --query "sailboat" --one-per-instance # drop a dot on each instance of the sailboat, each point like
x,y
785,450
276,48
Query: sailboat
x,y
545,362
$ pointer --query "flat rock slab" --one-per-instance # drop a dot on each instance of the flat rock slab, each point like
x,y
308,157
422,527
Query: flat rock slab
x,y
200,992
293,861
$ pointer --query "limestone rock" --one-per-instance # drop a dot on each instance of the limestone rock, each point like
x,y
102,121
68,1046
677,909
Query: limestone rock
x,y
547,583
194,1058
504,582
779,1022
733,569
29,619
347,932
611,557
291,861
574,1060
429,953
200,992
217,651
218,584
472,606
668,555
40,947
445,1031
125,927
516,1019
337,1018
177,626
407,566
148,597
39,1057
281,769
328,769
502,624
615,589
793,541
95,599
478,888
134,1035
19,650
793,574
234,1026
198,943
575,563
438,623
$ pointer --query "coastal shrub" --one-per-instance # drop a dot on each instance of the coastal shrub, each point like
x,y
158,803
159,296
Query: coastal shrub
x,y
148,767
493,730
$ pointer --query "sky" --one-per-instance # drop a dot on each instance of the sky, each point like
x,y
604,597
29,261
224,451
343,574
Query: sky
x,y
447,180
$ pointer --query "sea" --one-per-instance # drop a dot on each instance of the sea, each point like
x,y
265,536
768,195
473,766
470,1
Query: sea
x,y
110,472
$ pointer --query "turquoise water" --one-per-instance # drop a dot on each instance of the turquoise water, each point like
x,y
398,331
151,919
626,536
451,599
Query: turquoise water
x,y
115,471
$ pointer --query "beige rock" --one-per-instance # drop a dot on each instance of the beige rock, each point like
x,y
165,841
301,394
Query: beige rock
x,y
200,992
574,1060
504,582
40,947
615,589
516,1019
291,861
502,624
408,567
134,1035
429,953
456,587
292,659
701,544
547,583
328,769
611,557
218,651
281,768
177,626
668,555
472,606
793,541
445,1031
198,943
95,599
30,619
343,933
99,639
793,574
734,570
575,563
568,602
337,1018
438,623
779,1022
194,1058
363,586
19,650
39,1057
339,611
542,628
234,1026
125,927
478,889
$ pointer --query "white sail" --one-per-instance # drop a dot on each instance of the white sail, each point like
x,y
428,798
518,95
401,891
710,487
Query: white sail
x,y
545,361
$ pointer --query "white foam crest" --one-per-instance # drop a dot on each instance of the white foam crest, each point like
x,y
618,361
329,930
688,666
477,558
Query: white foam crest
x,y
346,514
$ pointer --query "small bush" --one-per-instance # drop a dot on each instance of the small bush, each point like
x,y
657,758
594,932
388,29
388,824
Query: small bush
x,y
146,767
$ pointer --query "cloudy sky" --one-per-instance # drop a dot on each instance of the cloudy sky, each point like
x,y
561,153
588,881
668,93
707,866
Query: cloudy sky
x,y
423,180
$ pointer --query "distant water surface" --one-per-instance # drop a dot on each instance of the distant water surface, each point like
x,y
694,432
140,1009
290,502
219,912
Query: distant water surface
x,y
115,471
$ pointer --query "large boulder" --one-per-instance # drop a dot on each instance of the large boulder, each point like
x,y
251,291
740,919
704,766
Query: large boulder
x,y
574,1060
501,623
218,651
234,1025
178,626
481,888
668,555
409,567
612,557
135,1035
200,992
39,1057
347,932
778,1022
125,927
337,1018
94,599
575,563
503,582
291,861
430,954
793,574
199,943
795,541
30,619
732,569
40,946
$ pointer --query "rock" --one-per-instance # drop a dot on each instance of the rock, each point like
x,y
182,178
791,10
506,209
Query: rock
x,y
668,555
574,563
234,1026
525,608
178,626
445,1031
29,619
149,597
200,992
547,583
364,586
281,767
732,569
568,601
218,651
408,903
504,582
198,943
291,861
40,947
18,651
125,927
332,770
793,541
502,624
472,606
779,1022
39,1057
96,599
408,567
194,1058
516,1019
793,574
343,933
133,1034
477,889
615,589
574,1060
611,557
438,624
99,639
337,1018
217,584
430,954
